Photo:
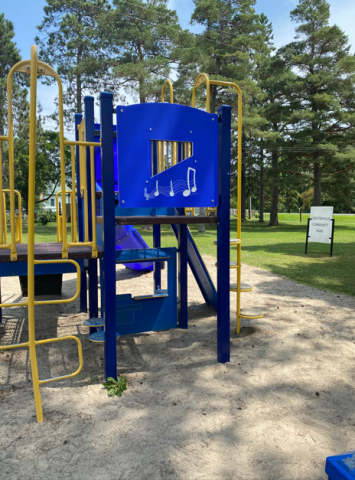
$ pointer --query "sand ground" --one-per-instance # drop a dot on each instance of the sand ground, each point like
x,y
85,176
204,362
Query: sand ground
x,y
276,411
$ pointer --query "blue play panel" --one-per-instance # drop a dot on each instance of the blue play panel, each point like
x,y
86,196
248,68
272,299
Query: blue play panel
x,y
341,467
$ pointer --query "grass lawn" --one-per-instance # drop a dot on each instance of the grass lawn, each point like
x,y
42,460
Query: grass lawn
x,y
278,249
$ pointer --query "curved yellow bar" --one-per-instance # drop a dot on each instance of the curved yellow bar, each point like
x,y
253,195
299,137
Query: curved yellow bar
x,y
203,78
18,218
80,352
167,81
78,271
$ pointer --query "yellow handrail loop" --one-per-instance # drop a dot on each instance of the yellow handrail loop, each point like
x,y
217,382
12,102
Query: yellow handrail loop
x,y
201,79
35,67
167,82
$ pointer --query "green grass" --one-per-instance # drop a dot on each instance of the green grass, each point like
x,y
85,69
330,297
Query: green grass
x,y
281,250
278,249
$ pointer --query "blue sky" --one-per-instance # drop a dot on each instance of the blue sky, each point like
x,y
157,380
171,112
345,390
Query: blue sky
x,y
26,14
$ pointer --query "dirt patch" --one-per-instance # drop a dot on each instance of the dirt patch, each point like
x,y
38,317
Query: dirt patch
x,y
283,403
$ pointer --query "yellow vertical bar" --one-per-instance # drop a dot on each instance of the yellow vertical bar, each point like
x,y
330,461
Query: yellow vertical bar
x,y
4,214
31,235
239,204
20,216
86,214
93,202
13,254
159,157
62,167
1,203
59,239
73,219
174,153
71,215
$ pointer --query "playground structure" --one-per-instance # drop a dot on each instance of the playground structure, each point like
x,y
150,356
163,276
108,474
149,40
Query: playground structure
x,y
182,161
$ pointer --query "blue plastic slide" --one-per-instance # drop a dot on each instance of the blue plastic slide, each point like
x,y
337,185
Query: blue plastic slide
x,y
198,268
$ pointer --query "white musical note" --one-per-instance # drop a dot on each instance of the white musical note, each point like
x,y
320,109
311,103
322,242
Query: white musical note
x,y
146,195
171,189
156,193
187,192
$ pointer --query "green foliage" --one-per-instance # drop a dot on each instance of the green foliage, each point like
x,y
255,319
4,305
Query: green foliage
x,y
143,40
116,387
93,379
46,216
9,55
71,41
321,125
233,202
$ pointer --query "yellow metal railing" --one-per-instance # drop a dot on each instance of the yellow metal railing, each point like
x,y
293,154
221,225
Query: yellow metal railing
x,y
73,229
18,217
3,223
82,144
200,80
35,68
174,153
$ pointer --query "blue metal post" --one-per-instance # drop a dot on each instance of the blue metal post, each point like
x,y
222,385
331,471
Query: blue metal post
x,y
223,235
157,265
108,215
182,274
93,278
83,287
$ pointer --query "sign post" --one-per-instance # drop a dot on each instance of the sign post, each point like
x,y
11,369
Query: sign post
x,y
320,227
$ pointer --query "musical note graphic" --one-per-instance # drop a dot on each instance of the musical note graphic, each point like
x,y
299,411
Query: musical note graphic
x,y
187,192
175,187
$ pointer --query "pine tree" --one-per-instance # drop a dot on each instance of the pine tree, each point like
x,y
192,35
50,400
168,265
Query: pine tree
x,y
321,127
143,37
274,78
233,40
9,56
234,36
71,42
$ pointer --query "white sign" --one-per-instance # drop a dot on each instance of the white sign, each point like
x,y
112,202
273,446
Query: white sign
x,y
320,225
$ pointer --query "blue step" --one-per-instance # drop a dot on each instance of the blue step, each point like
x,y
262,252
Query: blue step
x,y
99,336
341,467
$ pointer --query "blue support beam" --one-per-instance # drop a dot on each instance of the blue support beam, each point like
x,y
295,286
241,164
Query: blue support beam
x,y
157,265
223,235
108,214
83,286
182,275
93,279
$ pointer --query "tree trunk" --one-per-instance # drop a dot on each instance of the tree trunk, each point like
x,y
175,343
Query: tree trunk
x,y
274,190
243,194
261,188
213,98
201,226
317,185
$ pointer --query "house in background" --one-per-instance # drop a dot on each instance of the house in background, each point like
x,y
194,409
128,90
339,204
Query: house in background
x,y
49,205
